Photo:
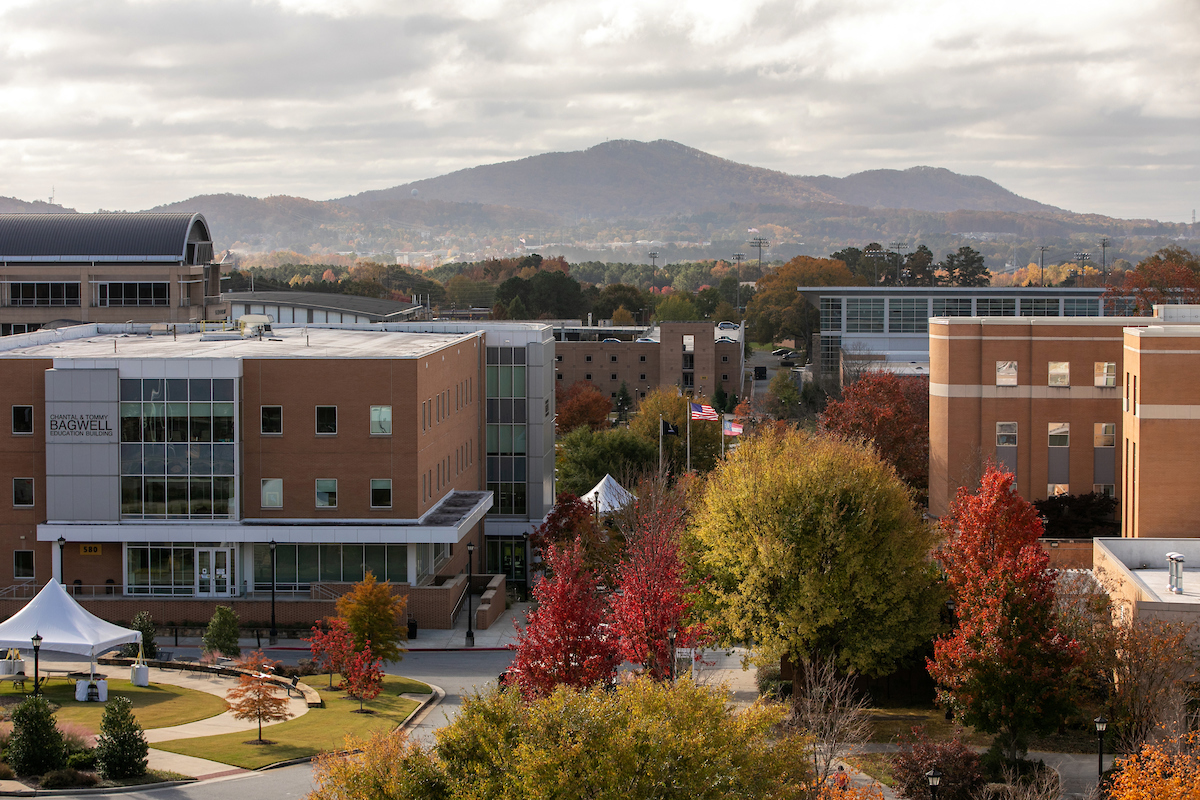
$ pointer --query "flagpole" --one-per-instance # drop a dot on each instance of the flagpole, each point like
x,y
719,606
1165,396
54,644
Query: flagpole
x,y
689,445
660,466
722,434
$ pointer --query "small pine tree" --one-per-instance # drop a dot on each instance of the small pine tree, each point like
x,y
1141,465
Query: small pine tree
x,y
121,748
517,310
221,636
36,745
720,400
624,403
143,623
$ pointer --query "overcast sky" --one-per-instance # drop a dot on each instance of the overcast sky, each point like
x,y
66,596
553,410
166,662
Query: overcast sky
x,y
123,105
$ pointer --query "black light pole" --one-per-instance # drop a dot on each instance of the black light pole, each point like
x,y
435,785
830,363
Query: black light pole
x,y
738,258
37,645
62,564
934,776
470,577
671,641
1101,724
1042,255
274,633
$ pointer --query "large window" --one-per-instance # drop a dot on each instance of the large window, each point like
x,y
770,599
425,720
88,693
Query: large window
x,y
272,493
22,492
22,419
23,564
178,448
1006,434
952,307
506,432
1039,307
1060,434
864,315
327,419
272,419
908,315
326,492
1081,307
1106,373
44,294
1105,434
1060,373
133,294
298,566
381,420
1006,373
381,493
160,568
996,307
831,315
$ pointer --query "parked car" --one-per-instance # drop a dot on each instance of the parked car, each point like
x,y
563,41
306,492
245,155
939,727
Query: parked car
x,y
726,339
645,340
786,362
727,325
780,351
617,341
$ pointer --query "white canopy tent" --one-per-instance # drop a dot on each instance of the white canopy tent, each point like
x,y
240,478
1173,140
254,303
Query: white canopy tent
x,y
608,496
64,625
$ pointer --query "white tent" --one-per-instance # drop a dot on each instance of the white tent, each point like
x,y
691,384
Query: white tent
x,y
608,496
64,625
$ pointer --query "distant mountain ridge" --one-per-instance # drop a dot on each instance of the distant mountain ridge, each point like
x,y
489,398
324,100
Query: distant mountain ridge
x,y
926,189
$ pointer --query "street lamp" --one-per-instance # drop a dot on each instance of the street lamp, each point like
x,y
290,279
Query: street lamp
x,y
37,645
470,577
62,565
1101,724
671,640
934,776
274,633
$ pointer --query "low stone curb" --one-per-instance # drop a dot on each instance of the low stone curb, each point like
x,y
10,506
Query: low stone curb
x,y
311,695
96,789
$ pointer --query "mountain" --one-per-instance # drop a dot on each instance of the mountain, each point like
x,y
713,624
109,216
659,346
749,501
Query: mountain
x,y
616,180
926,189
11,205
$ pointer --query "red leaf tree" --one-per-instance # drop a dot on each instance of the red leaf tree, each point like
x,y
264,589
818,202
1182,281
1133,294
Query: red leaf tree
x,y
332,648
565,640
363,673
572,518
1005,668
1172,275
581,404
892,412
255,697
653,591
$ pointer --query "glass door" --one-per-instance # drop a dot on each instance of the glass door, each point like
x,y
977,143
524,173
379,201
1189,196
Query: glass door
x,y
214,572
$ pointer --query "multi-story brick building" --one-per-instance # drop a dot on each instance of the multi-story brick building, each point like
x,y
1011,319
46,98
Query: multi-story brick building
x,y
106,268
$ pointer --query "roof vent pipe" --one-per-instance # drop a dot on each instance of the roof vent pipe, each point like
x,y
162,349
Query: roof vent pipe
x,y
1175,573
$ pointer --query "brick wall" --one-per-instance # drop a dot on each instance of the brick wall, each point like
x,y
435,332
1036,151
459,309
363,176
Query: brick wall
x,y
1069,553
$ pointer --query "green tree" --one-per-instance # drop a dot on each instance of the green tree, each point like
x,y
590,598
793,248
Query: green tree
x,y
618,295
143,623
783,398
966,268
584,457
36,745
720,400
919,267
121,748
623,403
221,635
814,548
778,310
706,301
374,615
516,309
676,308
706,435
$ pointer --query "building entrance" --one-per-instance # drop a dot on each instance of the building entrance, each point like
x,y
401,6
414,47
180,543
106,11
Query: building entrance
x,y
214,572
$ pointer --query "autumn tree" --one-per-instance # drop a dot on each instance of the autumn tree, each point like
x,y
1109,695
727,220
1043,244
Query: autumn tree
x,y
332,647
706,435
1005,668
563,641
622,316
783,397
255,698
581,404
584,457
813,547
363,674
962,774
676,308
1152,663
966,268
571,520
374,614
1169,771
1172,275
892,413
778,310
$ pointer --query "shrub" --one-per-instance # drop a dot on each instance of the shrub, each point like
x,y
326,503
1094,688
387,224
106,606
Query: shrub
x,y
76,738
121,748
36,745
67,779
144,623
6,772
84,759
221,636
962,777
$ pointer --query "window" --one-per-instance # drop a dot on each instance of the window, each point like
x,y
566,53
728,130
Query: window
x,y
612,376
326,492
908,315
724,376
1081,307
1060,373
643,395
587,358
996,307
1105,489
613,395
642,359
1105,434
1060,434
725,359
272,493
132,294
952,307
641,376
272,419
558,358
381,420
1006,373
22,492
831,315
559,376
689,343
23,564
44,294
1106,373
612,359
587,376
864,316
381,493
1057,489
326,419
22,419
1006,434
1039,307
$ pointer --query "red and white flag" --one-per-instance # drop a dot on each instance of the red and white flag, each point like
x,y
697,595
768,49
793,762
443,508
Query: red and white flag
x,y
701,411
733,428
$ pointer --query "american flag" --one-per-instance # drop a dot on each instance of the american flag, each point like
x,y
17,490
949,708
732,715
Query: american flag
x,y
733,428
701,411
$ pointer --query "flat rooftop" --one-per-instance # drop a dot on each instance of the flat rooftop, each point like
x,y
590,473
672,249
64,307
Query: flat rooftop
x,y
1146,562
136,341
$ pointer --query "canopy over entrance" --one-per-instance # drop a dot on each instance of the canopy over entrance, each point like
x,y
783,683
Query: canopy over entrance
x,y
64,625
608,496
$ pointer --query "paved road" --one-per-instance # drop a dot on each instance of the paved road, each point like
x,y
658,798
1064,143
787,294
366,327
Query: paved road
x,y
458,673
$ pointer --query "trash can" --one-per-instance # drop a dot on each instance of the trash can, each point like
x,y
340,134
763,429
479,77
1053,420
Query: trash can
x,y
412,628
139,675
102,686
81,688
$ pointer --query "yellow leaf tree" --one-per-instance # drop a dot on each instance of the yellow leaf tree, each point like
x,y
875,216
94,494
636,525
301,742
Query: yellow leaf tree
x,y
706,435
374,614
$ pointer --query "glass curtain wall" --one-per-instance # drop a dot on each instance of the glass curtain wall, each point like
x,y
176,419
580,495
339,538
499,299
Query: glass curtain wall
x,y
298,566
506,431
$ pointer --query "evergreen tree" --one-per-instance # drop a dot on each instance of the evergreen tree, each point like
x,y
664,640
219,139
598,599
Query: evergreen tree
x,y
966,268
720,400
143,623
36,745
221,636
624,403
121,748
517,310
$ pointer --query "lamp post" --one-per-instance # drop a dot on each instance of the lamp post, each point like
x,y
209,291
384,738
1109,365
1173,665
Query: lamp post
x,y
934,776
62,564
37,645
470,580
671,640
1101,724
274,633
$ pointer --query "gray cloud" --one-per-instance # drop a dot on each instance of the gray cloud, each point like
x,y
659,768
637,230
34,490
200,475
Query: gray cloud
x,y
130,104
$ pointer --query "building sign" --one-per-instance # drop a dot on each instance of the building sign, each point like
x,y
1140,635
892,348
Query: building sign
x,y
85,426
89,549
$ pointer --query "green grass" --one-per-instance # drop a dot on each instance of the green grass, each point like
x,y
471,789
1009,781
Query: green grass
x,y
888,724
320,730
156,706
877,765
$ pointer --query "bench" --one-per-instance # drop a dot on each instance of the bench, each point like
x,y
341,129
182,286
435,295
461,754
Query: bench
x,y
18,680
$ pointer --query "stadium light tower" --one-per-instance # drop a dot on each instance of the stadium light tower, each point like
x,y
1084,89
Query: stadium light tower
x,y
738,258
760,243
653,256
1104,257
899,248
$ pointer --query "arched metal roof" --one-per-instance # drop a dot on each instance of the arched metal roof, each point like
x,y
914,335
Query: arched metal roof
x,y
100,237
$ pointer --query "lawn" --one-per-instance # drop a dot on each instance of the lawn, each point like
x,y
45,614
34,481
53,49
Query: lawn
x,y
320,730
877,765
889,723
156,705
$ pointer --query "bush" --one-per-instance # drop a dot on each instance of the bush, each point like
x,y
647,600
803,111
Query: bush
x,y
997,767
36,745
962,776
6,772
144,623
121,748
84,759
76,738
67,779
221,636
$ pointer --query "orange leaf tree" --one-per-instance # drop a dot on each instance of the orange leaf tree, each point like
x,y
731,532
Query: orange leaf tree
x,y
373,614
1172,275
254,698
581,404
1158,772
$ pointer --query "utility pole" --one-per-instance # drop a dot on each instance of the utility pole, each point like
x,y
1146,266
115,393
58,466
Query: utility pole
x,y
1042,249
1104,257
738,258
899,248
760,243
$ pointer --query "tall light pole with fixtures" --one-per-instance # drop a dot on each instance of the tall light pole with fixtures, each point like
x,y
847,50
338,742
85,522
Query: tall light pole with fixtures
x,y
470,577
274,633
1042,250
1101,724
738,258
899,248
1082,259
653,257
1104,257
760,243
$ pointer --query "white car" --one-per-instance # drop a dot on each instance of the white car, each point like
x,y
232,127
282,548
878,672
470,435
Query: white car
x,y
727,325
